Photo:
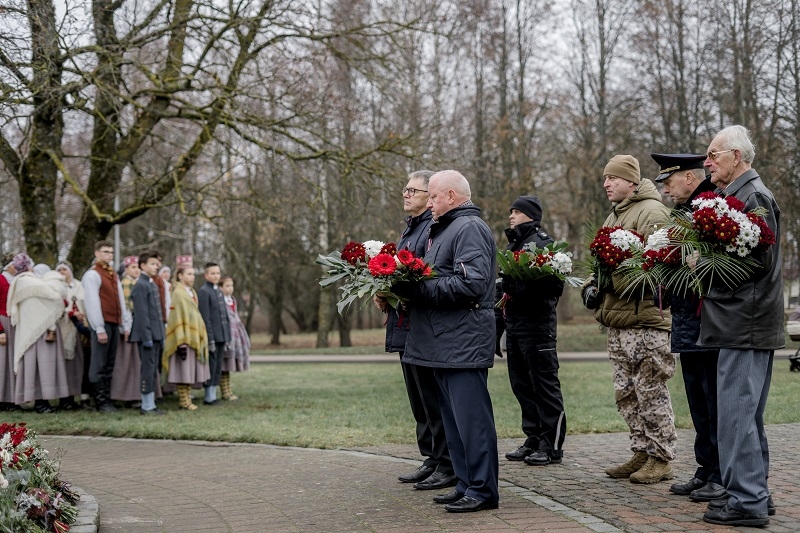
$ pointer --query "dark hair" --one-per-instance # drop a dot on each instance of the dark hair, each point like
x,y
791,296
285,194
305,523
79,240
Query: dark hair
x,y
103,244
150,254
209,265
223,279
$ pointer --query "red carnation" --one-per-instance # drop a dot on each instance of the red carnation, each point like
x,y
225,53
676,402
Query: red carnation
x,y
389,248
354,252
405,257
382,265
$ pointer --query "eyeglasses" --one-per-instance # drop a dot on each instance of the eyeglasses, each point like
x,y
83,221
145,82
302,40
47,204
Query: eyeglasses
x,y
713,155
411,191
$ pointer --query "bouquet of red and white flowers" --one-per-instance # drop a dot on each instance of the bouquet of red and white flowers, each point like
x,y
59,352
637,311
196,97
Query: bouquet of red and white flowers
x,y
610,247
532,263
370,268
32,497
714,244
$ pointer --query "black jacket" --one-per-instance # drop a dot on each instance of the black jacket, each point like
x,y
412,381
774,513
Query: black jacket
x,y
147,322
531,307
414,238
751,315
686,308
212,308
453,313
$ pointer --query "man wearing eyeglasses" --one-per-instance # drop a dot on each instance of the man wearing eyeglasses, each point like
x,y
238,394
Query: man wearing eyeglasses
x,y
746,324
453,333
105,306
436,471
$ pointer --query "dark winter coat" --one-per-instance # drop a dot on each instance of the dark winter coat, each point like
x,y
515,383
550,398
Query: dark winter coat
x,y
531,307
686,308
211,303
751,315
453,313
147,323
414,238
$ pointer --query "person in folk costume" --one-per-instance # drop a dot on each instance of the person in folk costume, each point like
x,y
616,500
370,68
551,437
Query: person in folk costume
x,y
185,356
148,331
212,307
6,337
237,351
70,324
125,379
35,305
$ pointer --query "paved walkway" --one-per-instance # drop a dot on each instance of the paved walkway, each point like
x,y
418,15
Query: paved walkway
x,y
145,486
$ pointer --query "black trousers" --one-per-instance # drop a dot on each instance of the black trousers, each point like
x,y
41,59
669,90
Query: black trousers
x,y
150,361
423,395
700,378
215,365
533,373
104,355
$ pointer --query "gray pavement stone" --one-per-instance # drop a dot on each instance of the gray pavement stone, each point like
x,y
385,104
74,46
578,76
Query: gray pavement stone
x,y
146,486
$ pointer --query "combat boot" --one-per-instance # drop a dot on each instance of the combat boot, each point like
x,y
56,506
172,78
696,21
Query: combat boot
x,y
626,469
653,471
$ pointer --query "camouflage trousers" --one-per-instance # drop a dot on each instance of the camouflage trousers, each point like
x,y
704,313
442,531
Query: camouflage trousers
x,y
642,364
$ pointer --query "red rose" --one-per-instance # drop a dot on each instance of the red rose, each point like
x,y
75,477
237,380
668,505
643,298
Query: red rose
x,y
406,257
382,265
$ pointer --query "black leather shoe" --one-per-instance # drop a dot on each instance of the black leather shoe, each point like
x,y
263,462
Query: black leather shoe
x,y
519,454
437,480
421,473
541,458
469,505
451,497
728,516
709,491
684,489
152,412
212,402
43,408
721,502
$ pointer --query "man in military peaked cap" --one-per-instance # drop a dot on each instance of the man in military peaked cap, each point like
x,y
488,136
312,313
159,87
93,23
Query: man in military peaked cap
x,y
684,178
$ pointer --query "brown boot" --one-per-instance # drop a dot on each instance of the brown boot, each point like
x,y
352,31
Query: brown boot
x,y
653,471
626,469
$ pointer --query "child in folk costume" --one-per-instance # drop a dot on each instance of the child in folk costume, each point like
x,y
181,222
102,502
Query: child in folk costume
x,y
35,305
237,351
127,367
74,318
185,358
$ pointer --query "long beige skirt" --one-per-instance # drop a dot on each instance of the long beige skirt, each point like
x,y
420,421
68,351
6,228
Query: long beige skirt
x,y
7,363
187,371
42,373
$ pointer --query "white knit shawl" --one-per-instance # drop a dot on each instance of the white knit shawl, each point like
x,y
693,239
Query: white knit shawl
x,y
34,306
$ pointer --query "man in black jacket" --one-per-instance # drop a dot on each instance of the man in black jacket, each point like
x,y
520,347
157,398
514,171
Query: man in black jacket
x,y
211,303
436,471
453,333
684,178
530,320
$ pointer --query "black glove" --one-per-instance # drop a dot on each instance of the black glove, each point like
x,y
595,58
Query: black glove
x,y
182,352
404,289
591,297
508,285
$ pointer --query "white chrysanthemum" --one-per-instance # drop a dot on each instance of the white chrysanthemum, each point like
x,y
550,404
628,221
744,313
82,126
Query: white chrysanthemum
x,y
658,240
5,440
561,262
373,248
3,482
624,240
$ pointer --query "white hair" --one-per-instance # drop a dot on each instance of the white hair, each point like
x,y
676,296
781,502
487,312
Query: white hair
x,y
738,138
453,179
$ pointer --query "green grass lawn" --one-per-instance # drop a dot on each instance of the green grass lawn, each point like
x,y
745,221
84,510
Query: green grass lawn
x,y
357,405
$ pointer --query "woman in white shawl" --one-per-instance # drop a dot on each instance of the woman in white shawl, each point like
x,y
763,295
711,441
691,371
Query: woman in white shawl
x,y
35,305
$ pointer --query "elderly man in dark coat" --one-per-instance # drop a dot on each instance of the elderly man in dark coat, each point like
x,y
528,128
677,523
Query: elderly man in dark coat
x,y
746,324
454,333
